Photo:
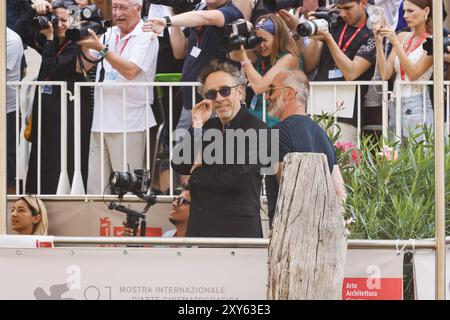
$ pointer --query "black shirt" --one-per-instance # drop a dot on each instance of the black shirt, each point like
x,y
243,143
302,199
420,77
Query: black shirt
x,y
363,45
298,134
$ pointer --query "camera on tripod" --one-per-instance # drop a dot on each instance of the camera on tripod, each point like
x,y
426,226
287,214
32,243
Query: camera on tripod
x,y
240,32
39,22
82,19
326,20
180,6
138,182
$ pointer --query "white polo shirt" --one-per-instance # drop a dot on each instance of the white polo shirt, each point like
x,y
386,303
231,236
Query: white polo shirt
x,y
14,50
139,48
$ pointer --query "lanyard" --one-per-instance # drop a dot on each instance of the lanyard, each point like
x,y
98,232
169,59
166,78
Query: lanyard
x,y
62,48
347,44
124,45
408,44
198,35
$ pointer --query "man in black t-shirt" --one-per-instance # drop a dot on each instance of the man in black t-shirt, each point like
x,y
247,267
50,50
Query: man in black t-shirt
x,y
348,53
288,97
199,43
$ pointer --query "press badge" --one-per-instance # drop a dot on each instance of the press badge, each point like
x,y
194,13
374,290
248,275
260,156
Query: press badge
x,y
46,89
334,74
195,52
112,76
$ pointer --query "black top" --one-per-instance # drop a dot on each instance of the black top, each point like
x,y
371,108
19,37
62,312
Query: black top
x,y
363,45
208,40
225,197
298,134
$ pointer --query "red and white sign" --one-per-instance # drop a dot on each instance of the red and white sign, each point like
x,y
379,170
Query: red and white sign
x,y
373,275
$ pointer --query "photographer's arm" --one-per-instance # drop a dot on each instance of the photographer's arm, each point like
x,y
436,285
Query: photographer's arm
x,y
385,67
351,69
179,43
127,69
187,19
413,71
260,83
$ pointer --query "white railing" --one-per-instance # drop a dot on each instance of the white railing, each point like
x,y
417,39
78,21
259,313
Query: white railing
x,y
77,187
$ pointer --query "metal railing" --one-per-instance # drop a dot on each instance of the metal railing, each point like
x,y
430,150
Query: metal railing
x,y
77,186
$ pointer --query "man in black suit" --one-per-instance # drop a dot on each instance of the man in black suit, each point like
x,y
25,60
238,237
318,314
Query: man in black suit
x,y
222,156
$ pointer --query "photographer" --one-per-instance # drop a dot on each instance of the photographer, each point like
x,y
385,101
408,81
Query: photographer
x,y
198,43
276,51
409,62
46,34
129,55
345,54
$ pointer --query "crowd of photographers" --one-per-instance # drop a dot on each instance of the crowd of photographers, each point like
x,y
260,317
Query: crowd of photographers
x,y
340,40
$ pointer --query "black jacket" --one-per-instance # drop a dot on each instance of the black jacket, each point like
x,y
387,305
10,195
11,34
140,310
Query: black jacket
x,y
226,197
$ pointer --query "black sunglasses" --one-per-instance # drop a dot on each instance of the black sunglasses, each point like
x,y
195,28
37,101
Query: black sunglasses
x,y
179,201
224,91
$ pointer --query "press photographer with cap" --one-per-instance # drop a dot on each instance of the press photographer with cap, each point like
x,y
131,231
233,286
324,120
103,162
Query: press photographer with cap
x,y
345,53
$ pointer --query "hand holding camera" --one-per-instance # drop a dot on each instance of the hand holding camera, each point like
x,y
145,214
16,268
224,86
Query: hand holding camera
x,y
292,21
42,7
48,32
93,42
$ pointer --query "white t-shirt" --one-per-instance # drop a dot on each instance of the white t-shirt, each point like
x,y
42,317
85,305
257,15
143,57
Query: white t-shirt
x,y
140,48
14,53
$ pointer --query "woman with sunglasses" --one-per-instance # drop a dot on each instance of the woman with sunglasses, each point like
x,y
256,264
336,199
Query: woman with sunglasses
x,y
29,217
276,51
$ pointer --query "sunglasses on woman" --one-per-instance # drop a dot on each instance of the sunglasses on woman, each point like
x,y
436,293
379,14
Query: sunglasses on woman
x,y
179,201
224,91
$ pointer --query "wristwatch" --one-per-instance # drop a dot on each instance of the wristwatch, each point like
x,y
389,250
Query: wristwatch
x,y
103,53
168,21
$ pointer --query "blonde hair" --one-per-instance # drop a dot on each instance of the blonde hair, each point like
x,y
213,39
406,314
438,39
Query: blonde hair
x,y
283,41
37,207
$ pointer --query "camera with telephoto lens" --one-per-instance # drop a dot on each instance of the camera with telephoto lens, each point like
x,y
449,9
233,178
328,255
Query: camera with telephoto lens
x,y
240,32
138,182
276,5
326,20
41,22
180,6
428,45
82,19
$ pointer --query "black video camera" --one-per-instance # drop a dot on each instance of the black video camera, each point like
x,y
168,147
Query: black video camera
x,y
41,22
180,6
428,45
326,20
138,182
82,19
276,5
238,33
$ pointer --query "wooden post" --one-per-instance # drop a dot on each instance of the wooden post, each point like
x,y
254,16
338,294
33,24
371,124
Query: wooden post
x,y
308,242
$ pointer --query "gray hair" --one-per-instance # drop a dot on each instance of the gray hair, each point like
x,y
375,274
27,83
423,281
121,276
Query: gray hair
x,y
297,80
217,66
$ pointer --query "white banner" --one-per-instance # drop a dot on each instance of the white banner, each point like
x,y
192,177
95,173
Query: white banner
x,y
424,274
373,275
133,273
174,273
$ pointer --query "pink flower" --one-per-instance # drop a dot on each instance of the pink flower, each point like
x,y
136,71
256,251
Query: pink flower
x,y
389,153
345,146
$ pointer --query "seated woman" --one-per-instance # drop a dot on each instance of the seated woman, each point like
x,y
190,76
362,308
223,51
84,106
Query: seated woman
x,y
277,51
408,62
29,217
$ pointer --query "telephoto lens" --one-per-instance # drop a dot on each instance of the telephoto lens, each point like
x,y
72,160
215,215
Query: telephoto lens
x,y
310,28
